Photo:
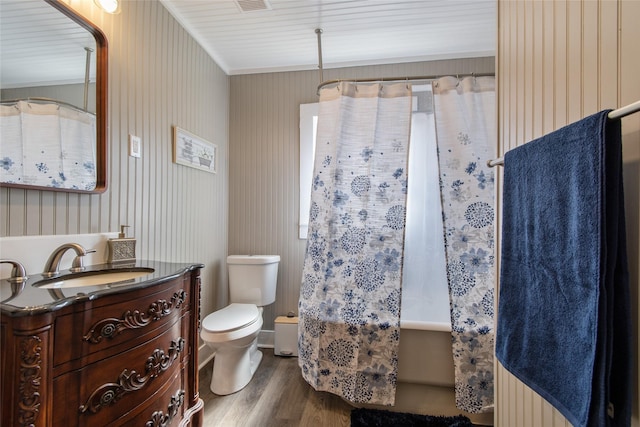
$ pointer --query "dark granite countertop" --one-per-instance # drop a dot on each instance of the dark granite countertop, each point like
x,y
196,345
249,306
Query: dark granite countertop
x,y
32,299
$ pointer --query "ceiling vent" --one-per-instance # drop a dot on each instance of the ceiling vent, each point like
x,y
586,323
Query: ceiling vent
x,y
253,5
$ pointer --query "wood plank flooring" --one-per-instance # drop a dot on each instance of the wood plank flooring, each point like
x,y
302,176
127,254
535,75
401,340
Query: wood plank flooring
x,y
276,396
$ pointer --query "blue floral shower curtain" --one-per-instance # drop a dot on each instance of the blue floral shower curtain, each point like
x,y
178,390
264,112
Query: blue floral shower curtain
x,y
349,308
465,127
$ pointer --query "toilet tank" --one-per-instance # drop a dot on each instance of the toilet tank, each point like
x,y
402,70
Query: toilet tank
x,y
253,278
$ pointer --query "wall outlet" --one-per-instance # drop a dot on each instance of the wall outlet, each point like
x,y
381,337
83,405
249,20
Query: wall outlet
x,y
135,146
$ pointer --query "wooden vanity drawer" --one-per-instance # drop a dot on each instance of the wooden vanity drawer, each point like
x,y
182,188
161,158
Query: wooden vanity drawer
x,y
103,392
167,409
135,317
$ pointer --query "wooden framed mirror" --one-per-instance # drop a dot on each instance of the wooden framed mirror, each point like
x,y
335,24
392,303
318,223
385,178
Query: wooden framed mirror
x,y
53,93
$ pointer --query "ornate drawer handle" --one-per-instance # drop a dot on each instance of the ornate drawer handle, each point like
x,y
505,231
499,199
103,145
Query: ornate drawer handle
x,y
159,419
111,327
109,393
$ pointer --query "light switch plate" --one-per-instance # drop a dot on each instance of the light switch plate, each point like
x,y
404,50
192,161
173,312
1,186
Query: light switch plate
x,y
135,146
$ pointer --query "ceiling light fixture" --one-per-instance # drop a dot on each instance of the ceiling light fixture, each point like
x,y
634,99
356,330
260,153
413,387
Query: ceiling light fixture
x,y
109,6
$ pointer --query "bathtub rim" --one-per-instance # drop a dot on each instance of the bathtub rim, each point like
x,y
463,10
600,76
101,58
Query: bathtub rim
x,y
422,325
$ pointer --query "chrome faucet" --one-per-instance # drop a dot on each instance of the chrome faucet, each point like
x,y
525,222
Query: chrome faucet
x,y
18,277
52,267
18,272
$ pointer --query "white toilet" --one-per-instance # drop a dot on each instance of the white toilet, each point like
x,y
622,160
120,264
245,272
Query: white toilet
x,y
232,332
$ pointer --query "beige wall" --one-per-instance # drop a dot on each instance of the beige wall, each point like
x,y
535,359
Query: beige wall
x,y
158,77
558,62
264,161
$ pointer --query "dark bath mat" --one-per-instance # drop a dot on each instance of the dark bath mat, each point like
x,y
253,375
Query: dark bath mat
x,y
362,417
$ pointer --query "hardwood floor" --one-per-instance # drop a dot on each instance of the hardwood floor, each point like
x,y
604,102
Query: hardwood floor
x,y
276,396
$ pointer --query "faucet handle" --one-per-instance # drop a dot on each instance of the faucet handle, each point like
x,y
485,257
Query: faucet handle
x,y
18,272
77,264
18,277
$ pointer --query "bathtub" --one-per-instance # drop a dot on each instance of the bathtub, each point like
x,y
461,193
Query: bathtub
x,y
426,375
425,355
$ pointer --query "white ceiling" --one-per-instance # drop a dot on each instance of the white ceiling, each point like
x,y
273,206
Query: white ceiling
x,y
355,32
280,38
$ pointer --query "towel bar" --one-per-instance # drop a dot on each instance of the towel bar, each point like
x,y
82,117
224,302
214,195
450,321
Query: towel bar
x,y
613,115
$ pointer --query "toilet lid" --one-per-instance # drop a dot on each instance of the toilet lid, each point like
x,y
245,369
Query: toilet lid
x,y
234,316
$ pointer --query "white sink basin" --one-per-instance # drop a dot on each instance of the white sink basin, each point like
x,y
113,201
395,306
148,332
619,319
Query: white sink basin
x,y
95,279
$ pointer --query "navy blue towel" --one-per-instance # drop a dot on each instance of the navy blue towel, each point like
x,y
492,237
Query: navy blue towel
x,y
564,317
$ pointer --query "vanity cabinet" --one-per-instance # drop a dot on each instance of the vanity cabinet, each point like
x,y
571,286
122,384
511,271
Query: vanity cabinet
x,y
127,357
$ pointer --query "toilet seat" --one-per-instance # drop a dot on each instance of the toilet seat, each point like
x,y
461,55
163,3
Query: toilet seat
x,y
233,317
235,321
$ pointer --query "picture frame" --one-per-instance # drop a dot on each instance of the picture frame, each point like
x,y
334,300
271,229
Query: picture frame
x,y
194,151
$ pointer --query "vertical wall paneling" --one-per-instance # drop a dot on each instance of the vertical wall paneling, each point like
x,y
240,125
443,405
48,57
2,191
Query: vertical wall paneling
x,y
628,89
158,77
558,62
264,162
546,58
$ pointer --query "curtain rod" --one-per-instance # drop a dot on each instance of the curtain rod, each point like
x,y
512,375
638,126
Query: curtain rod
x,y
320,68
322,84
401,79
39,100
613,115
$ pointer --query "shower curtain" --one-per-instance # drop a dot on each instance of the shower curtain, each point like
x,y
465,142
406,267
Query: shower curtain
x,y
349,308
465,127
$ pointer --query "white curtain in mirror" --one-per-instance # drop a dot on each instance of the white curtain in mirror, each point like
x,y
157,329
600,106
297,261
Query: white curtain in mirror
x,y
47,145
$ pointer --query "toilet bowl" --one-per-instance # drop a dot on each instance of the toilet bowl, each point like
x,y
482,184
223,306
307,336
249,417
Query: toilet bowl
x,y
232,332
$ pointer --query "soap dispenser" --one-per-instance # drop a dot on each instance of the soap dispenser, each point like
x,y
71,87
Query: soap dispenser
x,y
122,249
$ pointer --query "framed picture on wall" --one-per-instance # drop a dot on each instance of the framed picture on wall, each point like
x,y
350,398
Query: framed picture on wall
x,y
193,151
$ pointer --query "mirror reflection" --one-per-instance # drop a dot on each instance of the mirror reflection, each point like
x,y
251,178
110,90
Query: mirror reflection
x,y
52,111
